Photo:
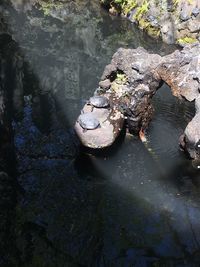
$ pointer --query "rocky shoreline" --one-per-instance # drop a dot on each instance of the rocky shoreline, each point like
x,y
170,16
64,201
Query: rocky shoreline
x,y
131,79
173,21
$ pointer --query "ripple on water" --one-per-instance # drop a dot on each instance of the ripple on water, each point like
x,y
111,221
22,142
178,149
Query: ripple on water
x,y
170,119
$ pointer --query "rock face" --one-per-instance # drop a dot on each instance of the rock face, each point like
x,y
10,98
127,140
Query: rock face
x,y
192,133
174,21
131,80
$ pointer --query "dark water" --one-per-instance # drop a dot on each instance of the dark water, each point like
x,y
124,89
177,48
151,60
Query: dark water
x,y
130,206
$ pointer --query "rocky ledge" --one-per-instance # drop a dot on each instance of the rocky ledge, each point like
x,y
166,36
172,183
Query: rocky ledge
x,y
129,83
175,21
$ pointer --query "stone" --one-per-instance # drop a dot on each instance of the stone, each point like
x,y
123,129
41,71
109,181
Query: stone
x,y
184,15
193,26
167,33
195,11
110,125
105,84
192,133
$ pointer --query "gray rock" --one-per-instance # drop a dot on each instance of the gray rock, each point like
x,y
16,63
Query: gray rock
x,y
195,11
151,18
180,70
184,15
192,133
193,26
132,14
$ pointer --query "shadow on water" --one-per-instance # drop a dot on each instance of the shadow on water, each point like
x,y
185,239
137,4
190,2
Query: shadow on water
x,y
122,207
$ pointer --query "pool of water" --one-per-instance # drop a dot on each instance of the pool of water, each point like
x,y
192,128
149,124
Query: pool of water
x,y
134,205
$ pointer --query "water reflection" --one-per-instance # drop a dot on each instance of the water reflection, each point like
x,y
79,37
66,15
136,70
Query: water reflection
x,y
130,206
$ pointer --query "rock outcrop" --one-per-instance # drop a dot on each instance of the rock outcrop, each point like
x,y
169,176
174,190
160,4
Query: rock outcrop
x,y
131,80
174,21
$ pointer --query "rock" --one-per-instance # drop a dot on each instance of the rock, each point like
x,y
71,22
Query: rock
x,y
131,15
184,14
113,11
133,77
105,84
195,11
154,23
173,14
192,133
193,26
111,124
167,33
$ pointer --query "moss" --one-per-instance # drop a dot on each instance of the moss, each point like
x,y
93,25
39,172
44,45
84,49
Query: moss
x,y
143,24
186,40
122,6
121,78
154,32
46,7
129,5
141,10
146,25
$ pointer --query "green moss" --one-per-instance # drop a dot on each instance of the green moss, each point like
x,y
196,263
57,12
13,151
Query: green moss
x,y
141,10
129,5
46,7
154,32
186,40
122,6
143,24
121,78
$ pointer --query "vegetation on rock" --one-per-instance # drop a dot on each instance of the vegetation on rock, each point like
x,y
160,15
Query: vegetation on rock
x,y
171,20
